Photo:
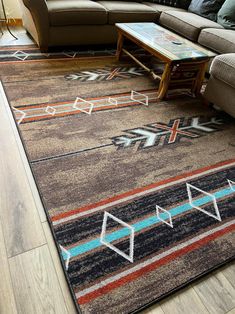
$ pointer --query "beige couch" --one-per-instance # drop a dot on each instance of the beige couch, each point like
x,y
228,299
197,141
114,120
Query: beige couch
x,y
81,22
220,89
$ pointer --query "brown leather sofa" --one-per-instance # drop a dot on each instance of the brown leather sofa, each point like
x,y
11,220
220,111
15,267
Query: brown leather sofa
x,y
81,22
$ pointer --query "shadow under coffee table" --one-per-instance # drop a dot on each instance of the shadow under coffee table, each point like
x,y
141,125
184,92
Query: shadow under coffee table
x,y
185,62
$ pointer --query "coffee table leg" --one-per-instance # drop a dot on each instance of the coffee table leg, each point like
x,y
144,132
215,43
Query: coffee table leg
x,y
119,46
165,81
201,75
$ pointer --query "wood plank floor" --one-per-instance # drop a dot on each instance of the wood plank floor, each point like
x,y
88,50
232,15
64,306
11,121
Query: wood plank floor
x,y
31,278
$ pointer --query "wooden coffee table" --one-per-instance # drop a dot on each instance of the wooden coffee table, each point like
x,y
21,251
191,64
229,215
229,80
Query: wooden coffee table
x,y
178,54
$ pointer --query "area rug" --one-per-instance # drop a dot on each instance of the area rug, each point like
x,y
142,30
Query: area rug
x,y
140,193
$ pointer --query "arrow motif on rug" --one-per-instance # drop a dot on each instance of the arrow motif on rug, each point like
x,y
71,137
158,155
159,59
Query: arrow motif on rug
x,y
157,134
105,74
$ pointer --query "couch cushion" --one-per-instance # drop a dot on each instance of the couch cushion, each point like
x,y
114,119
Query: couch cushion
x,y
223,68
219,40
124,11
159,8
185,23
73,12
206,8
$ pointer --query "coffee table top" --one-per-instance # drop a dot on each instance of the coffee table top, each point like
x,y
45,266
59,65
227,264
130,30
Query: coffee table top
x,y
167,43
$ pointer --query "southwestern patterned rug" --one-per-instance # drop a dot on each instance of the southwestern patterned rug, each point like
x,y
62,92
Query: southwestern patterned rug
x,y
140,194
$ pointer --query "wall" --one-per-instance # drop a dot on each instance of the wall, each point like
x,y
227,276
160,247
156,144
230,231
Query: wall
x,y
13,8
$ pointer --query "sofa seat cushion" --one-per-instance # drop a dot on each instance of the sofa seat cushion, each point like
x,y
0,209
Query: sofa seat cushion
x,y
159,8
187,24
223,68
73,12
219,40
124,11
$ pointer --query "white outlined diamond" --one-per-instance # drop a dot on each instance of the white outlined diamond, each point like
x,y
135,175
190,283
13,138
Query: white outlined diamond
x,y
21,55
160,211
20,113
50,110
113,101
144,101
86,110
129,257
231,184
68,256
217,213
70,53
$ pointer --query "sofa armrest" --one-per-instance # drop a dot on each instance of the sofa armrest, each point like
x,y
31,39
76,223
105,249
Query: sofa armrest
x,y
39,12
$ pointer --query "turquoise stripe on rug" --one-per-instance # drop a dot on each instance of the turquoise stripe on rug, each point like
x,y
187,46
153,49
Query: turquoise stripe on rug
x,y
140,225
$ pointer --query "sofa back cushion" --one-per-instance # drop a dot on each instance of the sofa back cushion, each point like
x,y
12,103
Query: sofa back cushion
x,y
206,8
173,3
226,15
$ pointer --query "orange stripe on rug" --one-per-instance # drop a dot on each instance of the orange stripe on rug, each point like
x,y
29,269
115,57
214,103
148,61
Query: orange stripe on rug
x,y
69,101
142,189
122,281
